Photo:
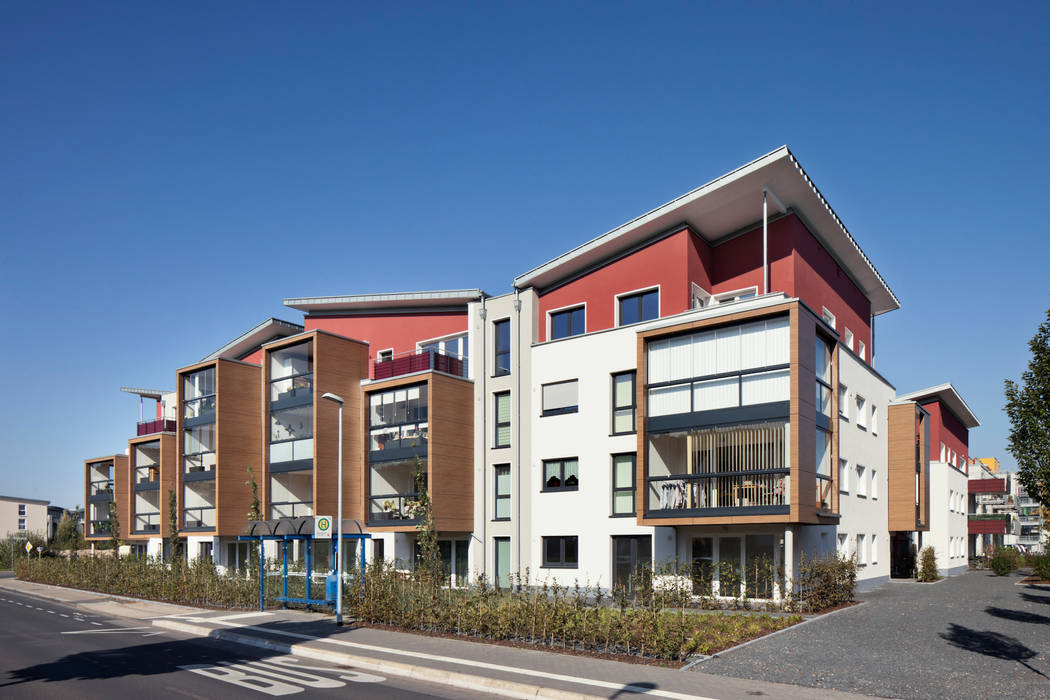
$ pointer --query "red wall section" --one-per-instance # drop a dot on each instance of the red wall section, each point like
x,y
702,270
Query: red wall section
x,y
663,263
737,263
819,281
946,428
255,357
398,331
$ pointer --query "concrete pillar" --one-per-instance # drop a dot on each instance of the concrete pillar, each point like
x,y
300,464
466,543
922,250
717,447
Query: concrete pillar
x,y
789,554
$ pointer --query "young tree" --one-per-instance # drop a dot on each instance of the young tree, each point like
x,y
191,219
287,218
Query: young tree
x,y
254,515
114,527
1028,407
429,565
174,543
66,535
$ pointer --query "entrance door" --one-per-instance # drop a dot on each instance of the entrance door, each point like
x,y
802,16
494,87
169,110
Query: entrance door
x,y
902,555
632,557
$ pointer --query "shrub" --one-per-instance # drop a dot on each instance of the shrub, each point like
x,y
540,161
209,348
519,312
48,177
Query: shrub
x,y
928,565
823,583
1004,560
1041,566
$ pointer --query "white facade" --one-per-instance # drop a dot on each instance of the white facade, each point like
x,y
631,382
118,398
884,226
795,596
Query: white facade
x,y
22,516
948,520
863,474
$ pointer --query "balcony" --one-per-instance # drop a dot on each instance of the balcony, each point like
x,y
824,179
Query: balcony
x,y
101,490
199,518
988,524
393,509
99,528
408,363
765,492
147,523
291,509
987,486
157,425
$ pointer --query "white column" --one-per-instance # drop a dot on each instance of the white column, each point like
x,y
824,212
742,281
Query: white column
x,y
789,555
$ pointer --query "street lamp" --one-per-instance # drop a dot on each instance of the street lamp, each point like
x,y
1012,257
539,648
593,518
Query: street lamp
x,y
339,517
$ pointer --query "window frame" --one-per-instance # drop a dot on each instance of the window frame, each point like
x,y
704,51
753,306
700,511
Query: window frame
x,y
548,564
564,409
862,474
637,295
497,351
734,295
633,374
633,489
862,409
844,472
827,317
566,310
847,338
497,497
496,421
561,470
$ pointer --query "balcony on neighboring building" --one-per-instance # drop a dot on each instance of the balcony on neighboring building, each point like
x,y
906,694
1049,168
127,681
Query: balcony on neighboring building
x,y
419,361
156,425
989,523
988,486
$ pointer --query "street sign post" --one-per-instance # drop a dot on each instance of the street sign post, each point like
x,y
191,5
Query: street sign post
x,y
29,548
322,526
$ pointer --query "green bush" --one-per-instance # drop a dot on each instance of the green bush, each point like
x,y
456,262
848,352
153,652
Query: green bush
x,y
1001,564
823,583
928,565
1040,564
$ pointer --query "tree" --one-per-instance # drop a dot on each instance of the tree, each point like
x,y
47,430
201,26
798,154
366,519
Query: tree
x,y
67,536
114,527
1028,407
254,515
174,543
428,563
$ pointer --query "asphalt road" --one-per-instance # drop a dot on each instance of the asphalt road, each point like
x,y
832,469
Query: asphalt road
x,y
50,650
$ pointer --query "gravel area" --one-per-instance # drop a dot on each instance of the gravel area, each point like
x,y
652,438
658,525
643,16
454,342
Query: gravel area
x,y
975,635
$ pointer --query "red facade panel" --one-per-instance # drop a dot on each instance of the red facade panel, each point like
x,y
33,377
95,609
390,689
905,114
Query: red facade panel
x,y
986,527
987,486
946,428
400,332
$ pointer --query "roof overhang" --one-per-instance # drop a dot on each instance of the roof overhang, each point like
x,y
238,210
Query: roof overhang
x,y
947,394
156,394
726,206
385,302
245,343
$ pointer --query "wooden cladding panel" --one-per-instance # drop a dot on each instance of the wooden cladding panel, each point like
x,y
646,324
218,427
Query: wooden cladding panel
x,y
902,420
803,415
339,366
122,493
238,441
451,453
169,467
923,419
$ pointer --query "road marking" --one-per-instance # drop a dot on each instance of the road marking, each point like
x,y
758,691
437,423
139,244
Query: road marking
x,y
634,689
50,612
110,630
282,675
63,615
97,623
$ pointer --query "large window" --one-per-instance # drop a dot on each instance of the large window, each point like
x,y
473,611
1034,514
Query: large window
x,y
561,397
561,552
643,306
823,464
823,372
720,368
624,403
561,474
502,498
502,419
292,411
501,335
198,394
398,420
623,484
568,323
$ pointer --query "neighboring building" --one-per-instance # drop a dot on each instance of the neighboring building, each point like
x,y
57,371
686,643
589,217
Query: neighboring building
x,y
693,387
990,463
23,516
1031,535
991,522
950,421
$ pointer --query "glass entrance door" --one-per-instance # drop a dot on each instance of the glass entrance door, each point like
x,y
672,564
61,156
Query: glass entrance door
x,y
632,557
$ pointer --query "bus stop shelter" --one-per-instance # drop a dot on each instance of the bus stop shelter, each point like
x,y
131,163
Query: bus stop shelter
x,y
285,530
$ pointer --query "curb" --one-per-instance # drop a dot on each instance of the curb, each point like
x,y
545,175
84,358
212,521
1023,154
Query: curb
x,y
102,597
509,689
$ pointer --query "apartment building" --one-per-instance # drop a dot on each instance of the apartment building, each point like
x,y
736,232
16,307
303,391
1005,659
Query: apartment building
x,y
20,517
950,421
990,513
693,387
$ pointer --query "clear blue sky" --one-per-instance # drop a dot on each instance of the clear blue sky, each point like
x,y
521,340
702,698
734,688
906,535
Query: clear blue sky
x,y
169,174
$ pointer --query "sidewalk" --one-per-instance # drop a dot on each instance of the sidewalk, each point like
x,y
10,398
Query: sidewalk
x,y
495,669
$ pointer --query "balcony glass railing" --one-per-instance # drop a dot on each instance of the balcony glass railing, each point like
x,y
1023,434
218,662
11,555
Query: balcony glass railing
x,y
394,509
147,522
147,475
157,425
681,493
292,509
407,363
199,518
99,528
297,387
100,488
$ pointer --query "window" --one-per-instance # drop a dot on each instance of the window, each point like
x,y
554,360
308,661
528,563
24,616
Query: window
x,y
397,420
568,323
21,524
847,338
701,297
561,474
829,318
874,483
560,397
502,546
378,553
823,464
861,350
862,554
624,402
385,355
204,551
843,545
502,500
623,475
21,509
560,552
843,401
874,549
736,295
862,488
643,306
874,420
502,419
843,476
501,335
944,453
823,372
862,412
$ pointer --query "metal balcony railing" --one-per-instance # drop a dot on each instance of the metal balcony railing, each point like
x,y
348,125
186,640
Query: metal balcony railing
x,y
681,493
393,509
157,425
420,361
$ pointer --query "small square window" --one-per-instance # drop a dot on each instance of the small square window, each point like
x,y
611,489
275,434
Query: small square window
x,y
560,397
643,306
847,338
829,318
561,552
561,474
568,323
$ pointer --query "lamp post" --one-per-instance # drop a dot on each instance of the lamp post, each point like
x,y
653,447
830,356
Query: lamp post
x,y
339,517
